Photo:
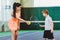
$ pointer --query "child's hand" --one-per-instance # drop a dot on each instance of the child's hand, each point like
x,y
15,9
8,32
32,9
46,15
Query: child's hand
x,y
51,31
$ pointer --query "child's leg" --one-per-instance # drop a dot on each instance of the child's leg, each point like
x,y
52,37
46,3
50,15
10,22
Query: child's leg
x,y
13,35
16,35
44,38
52,39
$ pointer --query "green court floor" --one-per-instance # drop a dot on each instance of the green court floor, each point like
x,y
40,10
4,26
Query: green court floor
x,y
2,34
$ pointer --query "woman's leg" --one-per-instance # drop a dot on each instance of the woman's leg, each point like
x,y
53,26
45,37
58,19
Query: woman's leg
x,y
13,35
16,35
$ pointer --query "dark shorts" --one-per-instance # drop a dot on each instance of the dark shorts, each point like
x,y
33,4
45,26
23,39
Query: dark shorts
x,y
48,34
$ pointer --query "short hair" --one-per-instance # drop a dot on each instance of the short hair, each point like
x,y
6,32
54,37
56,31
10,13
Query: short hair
x,y
45,11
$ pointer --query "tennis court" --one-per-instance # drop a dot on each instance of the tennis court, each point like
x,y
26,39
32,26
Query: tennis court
x,y
29,35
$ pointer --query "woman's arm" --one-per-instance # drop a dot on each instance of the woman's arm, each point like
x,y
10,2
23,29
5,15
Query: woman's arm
x,y
18,16
22,19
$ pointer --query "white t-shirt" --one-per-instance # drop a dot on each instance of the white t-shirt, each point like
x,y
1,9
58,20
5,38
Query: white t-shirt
x,y
48,21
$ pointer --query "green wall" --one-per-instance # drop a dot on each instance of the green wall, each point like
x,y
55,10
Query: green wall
x,y
37,12
53,11
27,3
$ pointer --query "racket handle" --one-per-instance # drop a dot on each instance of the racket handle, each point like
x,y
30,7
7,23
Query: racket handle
x,y
41,25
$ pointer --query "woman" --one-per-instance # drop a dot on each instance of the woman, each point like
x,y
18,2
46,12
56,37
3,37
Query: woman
x,y
15,20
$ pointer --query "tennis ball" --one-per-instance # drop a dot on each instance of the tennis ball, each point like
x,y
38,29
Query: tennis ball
x,y
29,23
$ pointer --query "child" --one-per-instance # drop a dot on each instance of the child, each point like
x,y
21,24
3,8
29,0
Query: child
x,y
48,32
15,20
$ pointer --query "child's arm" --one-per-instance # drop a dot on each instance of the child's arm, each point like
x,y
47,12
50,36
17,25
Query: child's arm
x,y
52,26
